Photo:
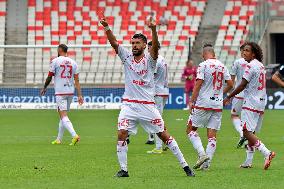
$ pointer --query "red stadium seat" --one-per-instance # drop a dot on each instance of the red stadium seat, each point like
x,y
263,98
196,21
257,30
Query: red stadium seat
x,y
77,23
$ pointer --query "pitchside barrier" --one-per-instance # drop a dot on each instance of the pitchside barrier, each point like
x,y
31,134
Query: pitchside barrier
x,y
102,98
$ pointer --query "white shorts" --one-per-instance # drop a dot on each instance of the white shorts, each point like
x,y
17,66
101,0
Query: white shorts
x,y
237,106
205,118
251,121
160,103
146,114
63,102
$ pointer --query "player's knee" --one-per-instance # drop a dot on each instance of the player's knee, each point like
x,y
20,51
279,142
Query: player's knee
x,y
233,116
190,128
212,133
65,118
122,134
164,136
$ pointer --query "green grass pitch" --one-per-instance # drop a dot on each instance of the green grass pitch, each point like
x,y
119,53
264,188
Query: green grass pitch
x,y
28,160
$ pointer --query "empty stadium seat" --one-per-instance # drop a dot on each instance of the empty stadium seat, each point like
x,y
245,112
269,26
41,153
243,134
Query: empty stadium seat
x,y
233,30
51,22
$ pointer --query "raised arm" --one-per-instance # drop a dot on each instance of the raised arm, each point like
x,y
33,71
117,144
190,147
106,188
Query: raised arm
x,y
154,50
111,38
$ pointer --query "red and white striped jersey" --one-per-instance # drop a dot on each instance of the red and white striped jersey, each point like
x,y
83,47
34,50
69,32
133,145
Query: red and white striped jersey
x,y
255,91
161,77
63,69
238,69
214,74
139,77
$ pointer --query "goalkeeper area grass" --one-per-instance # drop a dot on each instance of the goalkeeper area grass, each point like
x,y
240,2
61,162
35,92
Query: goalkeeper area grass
x,y
29,160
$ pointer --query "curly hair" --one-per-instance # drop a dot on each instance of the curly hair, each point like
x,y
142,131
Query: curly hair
x,y
256,49
243,45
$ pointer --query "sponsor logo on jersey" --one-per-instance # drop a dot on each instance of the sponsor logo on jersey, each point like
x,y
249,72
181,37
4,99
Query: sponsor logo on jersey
x,y
137,82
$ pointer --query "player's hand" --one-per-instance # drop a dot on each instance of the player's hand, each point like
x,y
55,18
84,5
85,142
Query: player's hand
x,y
152,23
43,91
103,20
80,100
226,101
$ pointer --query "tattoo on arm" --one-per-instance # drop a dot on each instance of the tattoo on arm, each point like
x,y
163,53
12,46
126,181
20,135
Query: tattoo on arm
x,y
47,81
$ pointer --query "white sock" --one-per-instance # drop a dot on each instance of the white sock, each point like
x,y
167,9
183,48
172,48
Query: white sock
x,y
60,131
196,142
122,149
238,126
68,125
173,146
150,137
159,142
211,147
250,152
261,147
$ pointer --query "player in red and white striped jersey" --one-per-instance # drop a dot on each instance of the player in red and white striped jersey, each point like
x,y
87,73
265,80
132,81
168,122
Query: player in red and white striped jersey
x,y
138,99
254,86
66,74
237,72
161,93
207,104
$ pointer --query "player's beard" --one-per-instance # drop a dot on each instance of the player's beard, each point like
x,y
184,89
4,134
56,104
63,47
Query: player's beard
x,y
58,55
137,53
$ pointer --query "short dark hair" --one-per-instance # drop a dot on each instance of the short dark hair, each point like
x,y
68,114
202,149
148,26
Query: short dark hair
x,y
140,36
207,45
63,47
150,44
256,49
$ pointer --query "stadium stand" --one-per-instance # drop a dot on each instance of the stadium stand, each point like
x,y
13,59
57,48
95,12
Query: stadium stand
x,y
234,28
51,22
276,7
2,34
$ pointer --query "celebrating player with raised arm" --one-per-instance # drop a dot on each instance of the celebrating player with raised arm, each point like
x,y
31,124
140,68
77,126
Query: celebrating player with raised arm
x,y
138,99
237,72
206,105
65,72
254,86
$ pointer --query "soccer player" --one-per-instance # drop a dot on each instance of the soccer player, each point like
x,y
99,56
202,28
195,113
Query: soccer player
x,y
279,76
189,76
138,99
206,105
65,72
253,85
237,72
161,93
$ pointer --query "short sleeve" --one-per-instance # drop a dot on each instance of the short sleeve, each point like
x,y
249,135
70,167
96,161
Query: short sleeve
x,y
200,72
227,74
248,73
281,70
123,53
52,67
234,68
